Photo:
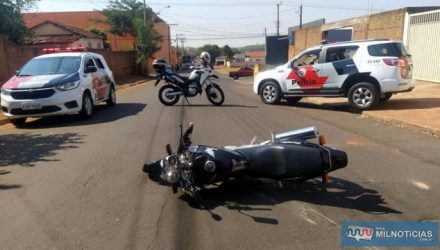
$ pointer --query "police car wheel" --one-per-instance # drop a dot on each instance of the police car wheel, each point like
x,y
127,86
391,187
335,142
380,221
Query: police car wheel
x,y
18,122
363,96
111,101
87,106
270,93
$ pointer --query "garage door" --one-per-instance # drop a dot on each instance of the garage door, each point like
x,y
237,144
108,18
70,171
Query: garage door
x,y
423,44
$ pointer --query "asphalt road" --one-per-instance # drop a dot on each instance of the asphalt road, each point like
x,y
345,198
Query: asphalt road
x,y
72,184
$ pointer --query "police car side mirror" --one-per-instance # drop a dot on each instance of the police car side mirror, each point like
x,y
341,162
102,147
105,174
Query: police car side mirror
x,y
91,69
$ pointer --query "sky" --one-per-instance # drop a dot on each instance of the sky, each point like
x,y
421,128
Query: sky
x,y
239,23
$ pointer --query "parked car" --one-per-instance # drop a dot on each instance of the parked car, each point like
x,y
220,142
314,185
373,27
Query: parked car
x,y
366,72
242,72
58,83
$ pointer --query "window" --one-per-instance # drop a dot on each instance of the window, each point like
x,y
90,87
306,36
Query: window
x,y
89,62
309,58
99,46
51,66
340,53
89,45
99,63
387,49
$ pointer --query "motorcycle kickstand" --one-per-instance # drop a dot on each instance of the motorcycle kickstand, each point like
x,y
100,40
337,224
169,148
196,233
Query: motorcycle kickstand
x,y
187,100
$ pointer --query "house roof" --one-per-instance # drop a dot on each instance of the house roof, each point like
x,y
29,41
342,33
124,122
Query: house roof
x,y
254,54
74,30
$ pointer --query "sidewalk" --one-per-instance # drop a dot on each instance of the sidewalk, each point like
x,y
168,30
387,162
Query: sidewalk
x,y
419,108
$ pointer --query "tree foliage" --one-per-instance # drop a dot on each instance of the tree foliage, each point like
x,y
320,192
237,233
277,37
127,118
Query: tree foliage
x,y
147,39
126,16
11,22
227,51
102,34
121,16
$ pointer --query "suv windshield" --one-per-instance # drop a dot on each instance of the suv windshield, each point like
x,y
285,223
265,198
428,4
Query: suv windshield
x,y
51,66
387,49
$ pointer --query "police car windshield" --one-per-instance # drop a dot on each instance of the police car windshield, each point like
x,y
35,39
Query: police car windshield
x,y
51,66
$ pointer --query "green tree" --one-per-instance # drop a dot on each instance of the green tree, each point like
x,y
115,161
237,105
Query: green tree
x,y
212,49
126,16
102,34
227,51
11,22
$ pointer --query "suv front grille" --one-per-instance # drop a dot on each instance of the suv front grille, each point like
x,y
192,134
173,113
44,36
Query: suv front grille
x,y
32,94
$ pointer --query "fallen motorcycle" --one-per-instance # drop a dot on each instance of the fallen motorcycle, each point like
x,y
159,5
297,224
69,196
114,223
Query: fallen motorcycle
x,y
176,85
288,156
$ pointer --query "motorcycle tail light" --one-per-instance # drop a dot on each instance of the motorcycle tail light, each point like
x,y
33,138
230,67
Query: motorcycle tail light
x,y
322,140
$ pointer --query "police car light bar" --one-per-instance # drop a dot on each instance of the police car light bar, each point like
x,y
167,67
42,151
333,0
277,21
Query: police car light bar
x,y
65,49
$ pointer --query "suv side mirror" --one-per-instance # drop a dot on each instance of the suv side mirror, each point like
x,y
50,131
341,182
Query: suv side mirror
x,y
17,72
91,69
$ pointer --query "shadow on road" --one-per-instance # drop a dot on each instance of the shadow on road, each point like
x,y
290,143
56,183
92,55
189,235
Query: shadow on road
x,y
9,186
242,195
393,104
102,114
210,105
26,149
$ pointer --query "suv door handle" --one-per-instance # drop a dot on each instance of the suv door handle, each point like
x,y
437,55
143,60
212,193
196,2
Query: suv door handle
x,y
351,65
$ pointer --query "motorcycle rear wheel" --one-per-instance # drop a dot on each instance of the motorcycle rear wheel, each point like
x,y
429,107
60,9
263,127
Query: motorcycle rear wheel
x,y
215,94
166,100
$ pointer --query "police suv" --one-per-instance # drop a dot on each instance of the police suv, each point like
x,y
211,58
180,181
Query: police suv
x,y
367,72
57,83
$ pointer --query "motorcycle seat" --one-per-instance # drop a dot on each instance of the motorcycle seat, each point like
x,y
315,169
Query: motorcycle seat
x,y
282,160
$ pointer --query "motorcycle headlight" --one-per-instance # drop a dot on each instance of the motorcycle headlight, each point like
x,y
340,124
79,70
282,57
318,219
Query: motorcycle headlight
x,y
68,86
172,176
5,91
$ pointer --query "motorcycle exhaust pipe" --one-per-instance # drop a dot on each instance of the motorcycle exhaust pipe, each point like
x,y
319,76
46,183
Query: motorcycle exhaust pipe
x,y
174,93
298,134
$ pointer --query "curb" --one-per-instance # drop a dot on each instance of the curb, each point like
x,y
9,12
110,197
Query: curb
x,y
388,120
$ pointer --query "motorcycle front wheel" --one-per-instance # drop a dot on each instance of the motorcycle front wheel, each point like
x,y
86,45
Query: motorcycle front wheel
x,y
165,99
215,94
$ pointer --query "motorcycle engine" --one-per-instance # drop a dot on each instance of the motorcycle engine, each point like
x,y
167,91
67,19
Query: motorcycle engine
x,y
193,90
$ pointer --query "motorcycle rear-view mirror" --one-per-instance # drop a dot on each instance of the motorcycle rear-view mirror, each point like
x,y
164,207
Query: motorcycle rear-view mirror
x,y
168,149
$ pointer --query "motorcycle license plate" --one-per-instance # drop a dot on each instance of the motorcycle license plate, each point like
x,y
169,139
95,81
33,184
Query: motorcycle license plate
x,y
31,106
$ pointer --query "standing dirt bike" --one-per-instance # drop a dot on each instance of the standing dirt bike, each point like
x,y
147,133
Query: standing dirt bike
x,y
176,85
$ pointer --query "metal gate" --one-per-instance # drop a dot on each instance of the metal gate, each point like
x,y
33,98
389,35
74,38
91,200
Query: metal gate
x,y
423,43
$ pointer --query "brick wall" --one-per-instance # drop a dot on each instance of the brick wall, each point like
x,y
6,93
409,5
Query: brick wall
x,y
385,25
13,57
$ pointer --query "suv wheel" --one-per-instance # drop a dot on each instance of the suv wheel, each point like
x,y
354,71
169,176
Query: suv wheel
x,y
270,93
87,106
235,77
18,122
363,96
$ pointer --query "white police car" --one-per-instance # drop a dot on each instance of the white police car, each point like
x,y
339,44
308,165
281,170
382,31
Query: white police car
x,y
58,83
367,72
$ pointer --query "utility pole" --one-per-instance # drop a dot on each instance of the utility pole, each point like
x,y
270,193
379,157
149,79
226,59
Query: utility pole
x,y
278,18
300,16
265,32
145,12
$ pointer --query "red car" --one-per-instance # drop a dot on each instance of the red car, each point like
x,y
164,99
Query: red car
x,y
243,71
